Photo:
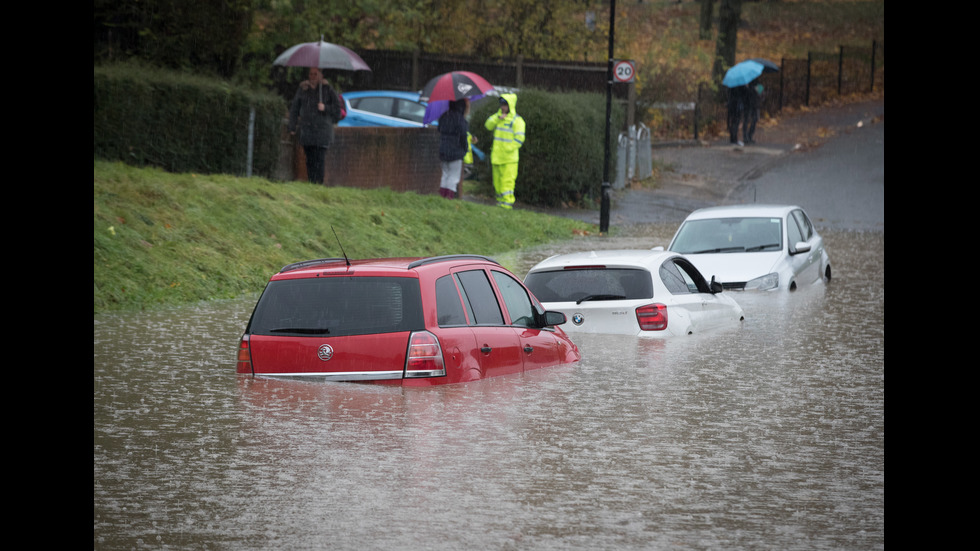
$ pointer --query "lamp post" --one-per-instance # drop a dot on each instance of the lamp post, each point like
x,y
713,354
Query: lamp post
x,y
606,186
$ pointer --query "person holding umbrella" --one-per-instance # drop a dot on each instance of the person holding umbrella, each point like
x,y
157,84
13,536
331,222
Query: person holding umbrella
x,y
313,113
447,97
743,97
453,146
508,136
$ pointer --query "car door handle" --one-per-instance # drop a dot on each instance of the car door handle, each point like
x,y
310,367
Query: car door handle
x,y
529,349
485,349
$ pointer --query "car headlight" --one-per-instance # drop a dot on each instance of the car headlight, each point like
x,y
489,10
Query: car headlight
x,y
763,283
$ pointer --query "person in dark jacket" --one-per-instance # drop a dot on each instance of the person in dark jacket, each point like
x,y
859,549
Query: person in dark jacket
x,y
313,112
453,146
738,101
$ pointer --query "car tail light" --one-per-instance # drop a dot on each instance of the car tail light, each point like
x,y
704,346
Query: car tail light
x,y
244,356
652,317
424,356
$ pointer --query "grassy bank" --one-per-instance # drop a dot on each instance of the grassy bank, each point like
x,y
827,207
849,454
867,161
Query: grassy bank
x,y
167,239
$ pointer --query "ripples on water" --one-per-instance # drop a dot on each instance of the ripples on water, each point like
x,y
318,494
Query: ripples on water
x,y
765,436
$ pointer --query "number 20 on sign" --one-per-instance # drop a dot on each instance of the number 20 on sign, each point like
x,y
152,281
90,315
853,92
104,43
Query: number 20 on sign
x,y
624,71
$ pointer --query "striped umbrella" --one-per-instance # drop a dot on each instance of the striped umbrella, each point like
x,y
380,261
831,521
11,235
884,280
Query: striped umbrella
x,y
455,85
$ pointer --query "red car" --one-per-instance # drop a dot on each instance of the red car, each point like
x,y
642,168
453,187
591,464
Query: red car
x,y
407,321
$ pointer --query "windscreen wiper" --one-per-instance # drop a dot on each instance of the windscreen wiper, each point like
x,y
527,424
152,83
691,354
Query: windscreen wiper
x,y
599,297
761,247
304,330
719,250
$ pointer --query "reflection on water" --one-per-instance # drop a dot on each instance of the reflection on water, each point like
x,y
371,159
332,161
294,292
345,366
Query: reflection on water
x,y
769,435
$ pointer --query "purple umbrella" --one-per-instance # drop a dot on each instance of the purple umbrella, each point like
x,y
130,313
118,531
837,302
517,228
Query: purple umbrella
x,y
435,109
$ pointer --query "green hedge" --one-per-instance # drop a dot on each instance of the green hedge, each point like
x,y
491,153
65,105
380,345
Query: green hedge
x,y
563,157
183,123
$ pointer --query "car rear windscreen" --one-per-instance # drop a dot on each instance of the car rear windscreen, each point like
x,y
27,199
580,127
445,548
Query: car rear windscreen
x,y
338,306
572,285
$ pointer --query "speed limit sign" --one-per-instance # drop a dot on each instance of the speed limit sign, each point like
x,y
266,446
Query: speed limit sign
x,y
624,71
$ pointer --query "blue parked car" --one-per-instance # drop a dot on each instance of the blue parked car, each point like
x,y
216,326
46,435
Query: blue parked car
x,y
387,108
383,108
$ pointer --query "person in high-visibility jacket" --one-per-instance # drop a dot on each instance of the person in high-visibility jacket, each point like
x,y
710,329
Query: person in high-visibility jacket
x,y
508,137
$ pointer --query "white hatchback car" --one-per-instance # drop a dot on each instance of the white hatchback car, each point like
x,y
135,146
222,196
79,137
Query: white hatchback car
x,y
646,293
754,247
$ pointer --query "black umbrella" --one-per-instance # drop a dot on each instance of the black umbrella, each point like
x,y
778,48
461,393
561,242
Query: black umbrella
x,y
767,66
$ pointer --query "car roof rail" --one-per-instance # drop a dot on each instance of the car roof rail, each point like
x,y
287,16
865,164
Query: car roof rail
x,y
433,259
308,263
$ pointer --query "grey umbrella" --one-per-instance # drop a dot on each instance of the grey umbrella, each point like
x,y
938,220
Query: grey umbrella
x,y
322,55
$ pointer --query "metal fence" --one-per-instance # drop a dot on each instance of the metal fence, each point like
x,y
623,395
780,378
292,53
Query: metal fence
x,y
409,71
800,82
634,158
819,78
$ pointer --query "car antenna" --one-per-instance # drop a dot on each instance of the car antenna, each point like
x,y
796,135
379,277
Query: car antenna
x,y
341,246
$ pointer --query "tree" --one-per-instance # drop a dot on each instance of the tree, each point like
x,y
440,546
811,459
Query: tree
x,y
729,13
179,34
707,10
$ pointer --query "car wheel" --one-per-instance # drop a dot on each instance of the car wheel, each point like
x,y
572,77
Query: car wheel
x,y
826,273
792,285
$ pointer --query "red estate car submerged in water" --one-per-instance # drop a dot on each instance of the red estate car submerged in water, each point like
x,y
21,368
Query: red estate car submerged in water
x,y
408,321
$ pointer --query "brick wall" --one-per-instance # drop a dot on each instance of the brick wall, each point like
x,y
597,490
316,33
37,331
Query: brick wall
x,y
402,159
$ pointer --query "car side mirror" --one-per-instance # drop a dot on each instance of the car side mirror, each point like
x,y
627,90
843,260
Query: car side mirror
x,y
801,247
715,286
552,318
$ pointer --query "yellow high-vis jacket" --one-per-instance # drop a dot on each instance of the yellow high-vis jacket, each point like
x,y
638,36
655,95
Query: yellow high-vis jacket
x,y
508,133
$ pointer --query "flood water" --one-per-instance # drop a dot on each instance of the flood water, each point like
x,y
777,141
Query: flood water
x,y
766,436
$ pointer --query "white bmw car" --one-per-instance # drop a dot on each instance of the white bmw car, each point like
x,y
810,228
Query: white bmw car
x,y
646,293
754,247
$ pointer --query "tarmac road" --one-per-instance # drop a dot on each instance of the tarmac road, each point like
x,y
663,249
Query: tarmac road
x,y
840,184
829,160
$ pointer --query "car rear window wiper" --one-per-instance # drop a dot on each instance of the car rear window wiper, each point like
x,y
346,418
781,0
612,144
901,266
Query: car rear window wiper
x,y
599,297
305,330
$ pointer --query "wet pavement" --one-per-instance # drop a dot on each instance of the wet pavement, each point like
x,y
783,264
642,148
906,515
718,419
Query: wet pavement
x,y
708,173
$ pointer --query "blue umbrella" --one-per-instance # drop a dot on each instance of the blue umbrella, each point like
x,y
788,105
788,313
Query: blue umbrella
x,y
742,73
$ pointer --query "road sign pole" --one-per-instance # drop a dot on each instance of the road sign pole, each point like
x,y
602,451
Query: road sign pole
x,y
606,187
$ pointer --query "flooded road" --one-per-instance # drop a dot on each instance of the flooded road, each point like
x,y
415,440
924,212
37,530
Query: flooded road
x,y
766,436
